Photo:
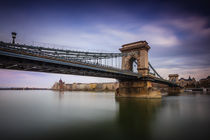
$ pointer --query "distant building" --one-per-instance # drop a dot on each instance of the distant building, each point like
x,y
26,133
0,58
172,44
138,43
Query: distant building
x,y
85,86
190,82
205,83
59,85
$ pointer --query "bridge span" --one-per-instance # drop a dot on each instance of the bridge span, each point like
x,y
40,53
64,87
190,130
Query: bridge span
x,y
109,65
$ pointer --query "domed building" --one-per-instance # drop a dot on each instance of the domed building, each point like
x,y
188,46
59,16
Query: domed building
x,y
60,85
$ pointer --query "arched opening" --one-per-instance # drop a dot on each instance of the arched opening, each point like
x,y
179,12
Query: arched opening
x,y
173,80
133,65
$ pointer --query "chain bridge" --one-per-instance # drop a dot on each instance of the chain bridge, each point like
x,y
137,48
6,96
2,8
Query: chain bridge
x,y
110,65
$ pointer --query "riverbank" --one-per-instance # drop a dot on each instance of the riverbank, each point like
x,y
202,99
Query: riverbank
x,y
22,88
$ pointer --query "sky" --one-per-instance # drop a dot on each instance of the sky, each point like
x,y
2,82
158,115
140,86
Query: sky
x,y
178,33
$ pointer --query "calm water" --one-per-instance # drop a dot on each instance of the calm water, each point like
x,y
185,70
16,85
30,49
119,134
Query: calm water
x,y
85,115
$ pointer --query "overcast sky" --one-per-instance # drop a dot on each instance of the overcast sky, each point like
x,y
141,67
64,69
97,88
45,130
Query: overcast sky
x,y
177,31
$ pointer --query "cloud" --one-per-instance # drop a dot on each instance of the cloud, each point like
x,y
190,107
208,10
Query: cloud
x,y
104,38
159,36
197,25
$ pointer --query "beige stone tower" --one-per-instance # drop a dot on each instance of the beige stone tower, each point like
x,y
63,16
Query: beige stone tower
x,y
137,51
173,78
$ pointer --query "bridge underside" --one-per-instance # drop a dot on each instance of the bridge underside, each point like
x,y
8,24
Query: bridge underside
x,y
28,63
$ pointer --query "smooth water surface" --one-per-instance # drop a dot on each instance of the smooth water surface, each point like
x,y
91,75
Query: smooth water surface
x,y
37,114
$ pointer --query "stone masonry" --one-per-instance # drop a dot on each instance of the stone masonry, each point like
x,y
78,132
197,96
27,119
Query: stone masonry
x,y
136,88
137,51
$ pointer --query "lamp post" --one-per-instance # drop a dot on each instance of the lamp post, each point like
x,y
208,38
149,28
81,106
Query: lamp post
x,y
13,37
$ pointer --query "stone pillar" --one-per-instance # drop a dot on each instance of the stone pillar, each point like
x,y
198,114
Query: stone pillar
x,y
173,78
137,88
124,66
143,63
174,90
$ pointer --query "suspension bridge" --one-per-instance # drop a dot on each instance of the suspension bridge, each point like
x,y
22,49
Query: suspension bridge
x,y
109,65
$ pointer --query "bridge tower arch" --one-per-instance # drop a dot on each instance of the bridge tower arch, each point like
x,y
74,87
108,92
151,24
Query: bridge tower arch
x,y
137,87
173,78
136,51
133,64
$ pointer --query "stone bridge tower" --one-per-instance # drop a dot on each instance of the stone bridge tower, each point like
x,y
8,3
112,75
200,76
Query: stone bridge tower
x,y
137,51
173,78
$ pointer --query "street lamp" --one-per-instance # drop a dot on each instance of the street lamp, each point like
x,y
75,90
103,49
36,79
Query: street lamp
x,y
13,37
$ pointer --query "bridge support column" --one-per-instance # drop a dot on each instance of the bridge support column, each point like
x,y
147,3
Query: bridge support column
x,y
174,90
137,88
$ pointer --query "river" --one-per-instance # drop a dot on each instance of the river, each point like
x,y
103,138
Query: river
x,y
46,114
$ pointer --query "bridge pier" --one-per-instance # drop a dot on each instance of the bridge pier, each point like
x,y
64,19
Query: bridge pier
x,y
138,51
137,88
174,90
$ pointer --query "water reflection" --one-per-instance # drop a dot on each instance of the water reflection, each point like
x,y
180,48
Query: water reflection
x,y
54,115
60,95
89,115
186,116
136,116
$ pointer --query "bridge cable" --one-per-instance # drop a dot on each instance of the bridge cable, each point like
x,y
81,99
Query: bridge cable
x,y
155,71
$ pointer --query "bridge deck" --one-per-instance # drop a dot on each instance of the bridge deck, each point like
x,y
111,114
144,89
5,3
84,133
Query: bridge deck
x,y
30,62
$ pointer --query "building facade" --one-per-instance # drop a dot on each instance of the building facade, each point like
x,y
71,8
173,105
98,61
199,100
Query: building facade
x,y
85,86
188,83
205,83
